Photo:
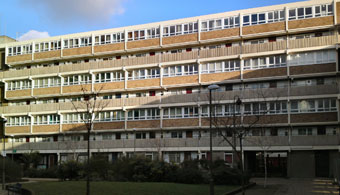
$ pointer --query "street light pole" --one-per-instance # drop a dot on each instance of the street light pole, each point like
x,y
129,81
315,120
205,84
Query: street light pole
x,y
211,87
4,120
12,137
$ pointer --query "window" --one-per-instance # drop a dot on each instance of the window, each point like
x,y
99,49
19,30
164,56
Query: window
x,y
18,121
317,57
180,112
305,131
221,66
109,116
144,74
152,135
180,70
176,134
19,85
265,62
47,82
144,114
143,34
180,29
321,131
307,12
109,77
320,105
262,18
46,119
77,79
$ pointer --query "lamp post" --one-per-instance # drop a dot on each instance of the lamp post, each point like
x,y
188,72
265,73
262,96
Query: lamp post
x,y
211,87
4,121
237,102
12,137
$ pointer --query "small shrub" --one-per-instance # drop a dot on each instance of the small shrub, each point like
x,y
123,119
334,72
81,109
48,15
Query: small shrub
x,y
13,171
70,170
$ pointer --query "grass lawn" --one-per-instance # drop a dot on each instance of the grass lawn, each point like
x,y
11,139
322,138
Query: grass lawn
x,y
122,188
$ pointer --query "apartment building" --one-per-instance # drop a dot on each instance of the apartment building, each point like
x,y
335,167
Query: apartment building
x,y
154,80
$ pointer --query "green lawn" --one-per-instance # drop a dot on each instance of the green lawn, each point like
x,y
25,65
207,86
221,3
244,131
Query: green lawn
x,y
122,188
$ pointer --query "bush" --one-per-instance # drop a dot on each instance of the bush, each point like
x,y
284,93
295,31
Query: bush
x,y
13,170
70,170
41,173
224,175
99,168
190,173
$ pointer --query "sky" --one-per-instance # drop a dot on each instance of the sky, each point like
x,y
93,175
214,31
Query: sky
x,y
30,19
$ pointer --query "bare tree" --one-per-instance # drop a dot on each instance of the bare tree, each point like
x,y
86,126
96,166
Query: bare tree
x,y
89,110
237,124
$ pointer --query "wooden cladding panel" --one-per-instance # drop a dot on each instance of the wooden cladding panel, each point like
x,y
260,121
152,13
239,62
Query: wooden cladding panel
x,y
263,28
220,33
144,83
74,127
77,88
180,39
109,86
308,69
46,91
143,124
180,80
47,54
187,122
77,51
19,58
45,128
18,129
314,117
109,125
143,43
108,47
217,77
269,72
18,93
311,22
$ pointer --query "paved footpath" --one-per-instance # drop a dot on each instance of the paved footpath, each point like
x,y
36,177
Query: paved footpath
x,y
293,186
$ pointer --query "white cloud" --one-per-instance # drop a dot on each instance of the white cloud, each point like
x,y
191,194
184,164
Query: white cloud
x,y
33,34
76,11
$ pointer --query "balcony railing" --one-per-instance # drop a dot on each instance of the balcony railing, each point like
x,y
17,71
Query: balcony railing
x,y
219,52
312,42
264,47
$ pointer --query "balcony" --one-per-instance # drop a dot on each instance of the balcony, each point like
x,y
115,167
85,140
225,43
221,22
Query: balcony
x,y
313,90
175,57
315,140
264,47
312,42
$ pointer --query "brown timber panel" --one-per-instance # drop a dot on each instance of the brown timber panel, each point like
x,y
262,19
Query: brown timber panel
x,y
47,54
263,28
143,43
109,125
109,47
74,127
338,12
18,129
180,80
19,58
77,51
143,83
311,22
188,122
109,86
308,69
269,72
266,119
45,128
217,77
77,88
220,33
46,91
143,124
18,93
314,117
180,39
